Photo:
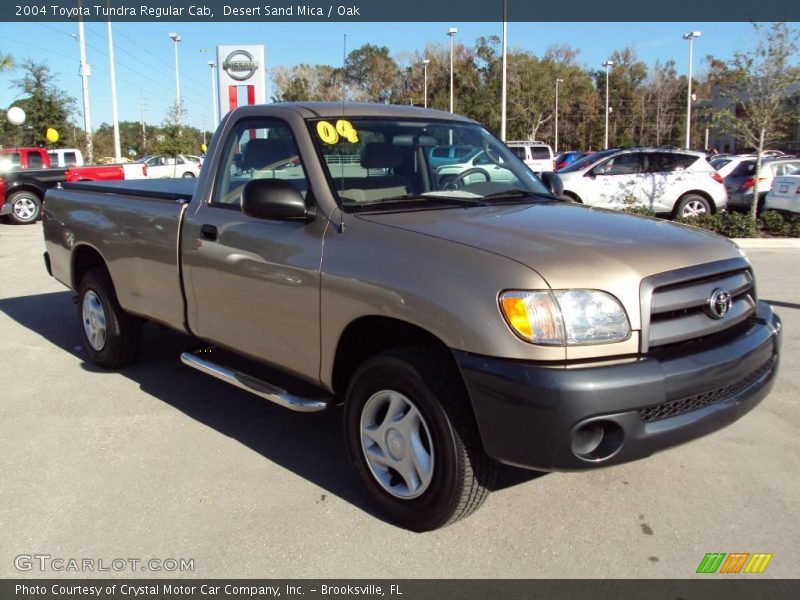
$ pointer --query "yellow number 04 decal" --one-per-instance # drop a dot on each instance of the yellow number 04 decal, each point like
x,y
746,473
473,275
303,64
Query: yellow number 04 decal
x,y
331,134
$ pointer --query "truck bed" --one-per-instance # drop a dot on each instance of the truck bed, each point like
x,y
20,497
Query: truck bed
x,y
163,189
136,226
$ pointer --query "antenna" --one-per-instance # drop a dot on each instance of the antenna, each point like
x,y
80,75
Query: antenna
x,y
344,97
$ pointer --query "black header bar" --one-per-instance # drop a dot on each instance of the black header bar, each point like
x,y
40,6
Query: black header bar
x,y
446,11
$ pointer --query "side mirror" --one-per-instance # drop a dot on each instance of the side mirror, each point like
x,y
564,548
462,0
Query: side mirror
x,y
553,182
275,200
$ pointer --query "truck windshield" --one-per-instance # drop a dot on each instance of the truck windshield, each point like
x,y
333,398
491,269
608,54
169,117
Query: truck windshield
x,y
373,161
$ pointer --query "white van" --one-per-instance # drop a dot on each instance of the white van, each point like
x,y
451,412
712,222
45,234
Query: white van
x,y
65,157
537,155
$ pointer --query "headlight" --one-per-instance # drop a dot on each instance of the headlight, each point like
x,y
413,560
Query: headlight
x,y
565,317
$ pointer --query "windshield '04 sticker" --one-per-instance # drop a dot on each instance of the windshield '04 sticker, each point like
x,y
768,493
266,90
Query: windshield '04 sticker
x,y
331,134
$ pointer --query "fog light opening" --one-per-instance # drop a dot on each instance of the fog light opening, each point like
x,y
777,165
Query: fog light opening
x,y
597,440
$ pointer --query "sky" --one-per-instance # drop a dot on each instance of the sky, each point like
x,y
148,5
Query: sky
x,y
145,56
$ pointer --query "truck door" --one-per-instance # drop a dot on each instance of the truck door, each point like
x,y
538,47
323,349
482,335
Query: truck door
x,y
253,285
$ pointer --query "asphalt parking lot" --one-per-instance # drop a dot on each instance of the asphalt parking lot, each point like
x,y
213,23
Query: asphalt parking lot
x,y
162,461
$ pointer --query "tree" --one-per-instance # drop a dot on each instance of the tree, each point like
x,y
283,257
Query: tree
x,y
6,62
173,138
44,104
372,72
759,85
307,82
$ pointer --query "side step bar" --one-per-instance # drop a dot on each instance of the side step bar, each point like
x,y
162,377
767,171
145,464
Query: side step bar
x,y
256,386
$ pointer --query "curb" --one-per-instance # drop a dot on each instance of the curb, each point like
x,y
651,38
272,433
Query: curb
x,y
759,243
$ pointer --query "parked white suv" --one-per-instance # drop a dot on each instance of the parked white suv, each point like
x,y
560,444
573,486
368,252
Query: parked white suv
x,y
679,182
537,155
159,166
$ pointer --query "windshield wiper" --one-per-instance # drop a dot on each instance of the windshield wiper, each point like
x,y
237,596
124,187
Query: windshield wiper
x,y
454,200
517,193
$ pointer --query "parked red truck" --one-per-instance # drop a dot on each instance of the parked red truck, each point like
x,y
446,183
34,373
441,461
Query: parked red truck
x,y
24,158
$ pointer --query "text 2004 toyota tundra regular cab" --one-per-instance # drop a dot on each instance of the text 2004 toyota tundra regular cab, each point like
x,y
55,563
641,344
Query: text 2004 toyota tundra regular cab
x,y
462,322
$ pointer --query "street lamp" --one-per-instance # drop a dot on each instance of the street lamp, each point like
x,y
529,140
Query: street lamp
x,y
114,111
425,64
176,38
690,36
504,82
452,33
214,108
556,144
85,72
608,64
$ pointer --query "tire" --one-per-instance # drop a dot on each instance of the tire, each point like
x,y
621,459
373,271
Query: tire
x,y
692,205
453,473
26,207
110,336
187,175
570,197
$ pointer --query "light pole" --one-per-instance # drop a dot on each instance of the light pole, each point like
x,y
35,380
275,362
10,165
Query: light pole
x,y
176,38
690,36
452,33
113,76
214,108
503,96
87,115
425,64
608,64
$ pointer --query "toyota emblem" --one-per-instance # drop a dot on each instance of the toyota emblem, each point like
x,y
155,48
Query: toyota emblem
x,y
719,303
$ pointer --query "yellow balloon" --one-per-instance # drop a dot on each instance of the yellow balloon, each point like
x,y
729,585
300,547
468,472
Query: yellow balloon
x,y
52,135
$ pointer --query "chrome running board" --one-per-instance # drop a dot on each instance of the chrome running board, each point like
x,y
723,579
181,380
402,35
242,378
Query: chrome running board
x,y
256,386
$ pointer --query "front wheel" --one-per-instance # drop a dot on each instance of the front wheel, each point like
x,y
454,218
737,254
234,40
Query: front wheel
x,y
111,336
187,175
692,205
26,207
413,442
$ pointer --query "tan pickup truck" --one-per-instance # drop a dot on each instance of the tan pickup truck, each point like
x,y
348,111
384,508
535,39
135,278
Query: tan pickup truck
x,y
461,323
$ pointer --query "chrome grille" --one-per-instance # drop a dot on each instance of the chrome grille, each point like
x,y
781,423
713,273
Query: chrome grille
x,y
679,308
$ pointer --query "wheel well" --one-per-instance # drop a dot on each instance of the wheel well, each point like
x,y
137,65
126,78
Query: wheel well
x,y
84,259
24,188
702,194
572,195
368,336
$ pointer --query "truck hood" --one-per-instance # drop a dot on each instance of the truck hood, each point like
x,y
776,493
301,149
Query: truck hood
x,y
570,245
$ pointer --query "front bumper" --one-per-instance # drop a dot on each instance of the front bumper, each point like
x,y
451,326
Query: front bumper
x,y
548,418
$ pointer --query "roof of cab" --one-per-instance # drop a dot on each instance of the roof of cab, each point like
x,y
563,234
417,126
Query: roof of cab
x,y
327,110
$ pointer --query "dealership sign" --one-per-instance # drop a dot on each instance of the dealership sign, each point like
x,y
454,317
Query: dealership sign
x,y
241,75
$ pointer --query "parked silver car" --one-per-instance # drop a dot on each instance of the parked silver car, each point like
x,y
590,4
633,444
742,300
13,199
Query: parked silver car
x,y
741,181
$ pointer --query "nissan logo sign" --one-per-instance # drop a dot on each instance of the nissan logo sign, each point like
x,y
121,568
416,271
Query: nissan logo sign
x,y
719,303
240,65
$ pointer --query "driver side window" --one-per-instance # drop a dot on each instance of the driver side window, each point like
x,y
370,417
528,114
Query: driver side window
x,y
622,164
257,149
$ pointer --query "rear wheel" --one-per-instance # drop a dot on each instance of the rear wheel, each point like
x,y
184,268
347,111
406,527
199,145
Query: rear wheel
x,y
111,337
413,442
187,175
692,205
26,207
